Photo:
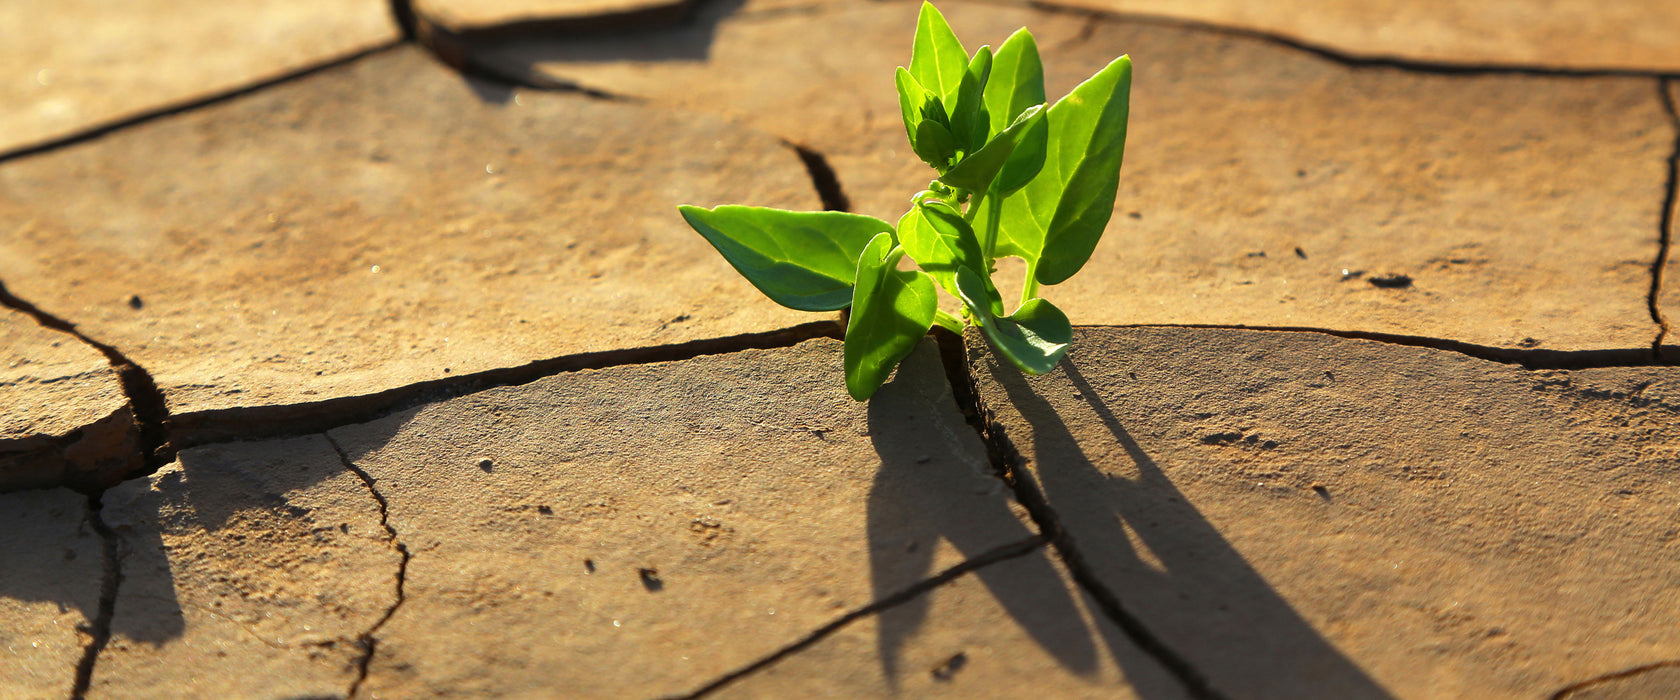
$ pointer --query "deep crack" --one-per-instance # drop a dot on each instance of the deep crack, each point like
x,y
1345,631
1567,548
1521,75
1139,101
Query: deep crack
x,y
1006,460
111,579
260,422
369,640
184,106
987,558
403,15
145,401
460,52
1566,691
1665,232
1415,65
823,178
1528,358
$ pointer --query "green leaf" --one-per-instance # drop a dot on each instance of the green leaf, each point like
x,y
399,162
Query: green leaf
x,y
1017,80
969,119
891,311
803,260
1087,144
1055,221
940,241
911,97
976,172
1017,85
1034,338
937,58
934,145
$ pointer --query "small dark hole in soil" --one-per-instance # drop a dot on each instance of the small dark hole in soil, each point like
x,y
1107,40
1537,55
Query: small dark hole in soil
x,y
1391,280
650,579
1225,438
589,565
947,670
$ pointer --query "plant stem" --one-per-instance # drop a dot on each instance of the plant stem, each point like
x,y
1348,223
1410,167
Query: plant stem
x,y
989,242
973,205
947,321
1030,289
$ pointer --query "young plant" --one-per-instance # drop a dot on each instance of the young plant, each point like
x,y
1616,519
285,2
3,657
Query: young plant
x,y
1015,179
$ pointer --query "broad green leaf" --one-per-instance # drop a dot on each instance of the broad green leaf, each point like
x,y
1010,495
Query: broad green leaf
x,y
1017,85
937,58
1087,143
1034,338
1017,80
940,241
969,119
977,171
891,311
911,97
1055,221
803,260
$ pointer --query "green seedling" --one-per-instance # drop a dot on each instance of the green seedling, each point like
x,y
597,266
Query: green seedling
x,y
1016,178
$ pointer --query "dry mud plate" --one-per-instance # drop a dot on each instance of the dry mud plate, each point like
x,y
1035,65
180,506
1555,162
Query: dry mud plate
x,y
356,350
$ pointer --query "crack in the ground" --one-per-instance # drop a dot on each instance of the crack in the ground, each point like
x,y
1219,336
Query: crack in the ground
x,y
145,401
189,105
1566,691
1665,234
369,640
460,53
111,579
984,559
406,19
1528,358
1415,65
261,422
823,178
1006,460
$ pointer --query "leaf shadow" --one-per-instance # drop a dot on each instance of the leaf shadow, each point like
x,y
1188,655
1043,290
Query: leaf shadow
x,y
935,484
1194,590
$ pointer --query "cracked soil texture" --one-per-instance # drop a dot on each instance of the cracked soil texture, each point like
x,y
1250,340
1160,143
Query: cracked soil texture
x,y
1373,518
972,638
249,569
50,569
1569,35
70,65
385,223
294,225
681,519
63,416
1666,299
1263,185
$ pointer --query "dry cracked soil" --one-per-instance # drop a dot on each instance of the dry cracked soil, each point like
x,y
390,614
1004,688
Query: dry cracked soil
x,y
355,349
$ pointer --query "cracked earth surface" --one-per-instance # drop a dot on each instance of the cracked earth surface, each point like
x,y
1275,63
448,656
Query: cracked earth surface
x,y
373,361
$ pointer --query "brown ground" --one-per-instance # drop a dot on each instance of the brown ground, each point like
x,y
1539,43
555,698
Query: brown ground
x,y
338,364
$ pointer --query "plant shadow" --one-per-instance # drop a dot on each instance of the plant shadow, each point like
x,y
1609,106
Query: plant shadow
x,y
1191,588
524,45
935,484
